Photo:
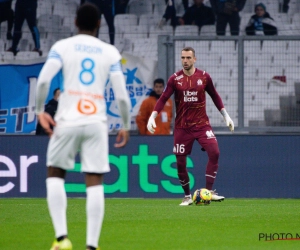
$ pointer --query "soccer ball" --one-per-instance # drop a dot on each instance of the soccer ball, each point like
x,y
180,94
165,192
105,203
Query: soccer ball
x,y
202,196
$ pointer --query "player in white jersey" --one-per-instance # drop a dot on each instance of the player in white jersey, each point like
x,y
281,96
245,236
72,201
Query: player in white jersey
x,y
85,63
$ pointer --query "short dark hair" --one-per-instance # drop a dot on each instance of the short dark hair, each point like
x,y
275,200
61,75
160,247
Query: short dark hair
x,y
159,80
189,49
87,17
54,92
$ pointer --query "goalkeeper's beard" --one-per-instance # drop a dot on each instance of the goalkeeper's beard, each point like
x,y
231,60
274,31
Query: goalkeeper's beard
x,y
187,68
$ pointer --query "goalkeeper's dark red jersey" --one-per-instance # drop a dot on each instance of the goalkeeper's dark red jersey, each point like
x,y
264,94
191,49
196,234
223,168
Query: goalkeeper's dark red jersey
x,y
189,95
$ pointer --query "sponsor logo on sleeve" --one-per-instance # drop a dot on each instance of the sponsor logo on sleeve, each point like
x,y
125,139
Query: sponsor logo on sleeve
x,y
178,77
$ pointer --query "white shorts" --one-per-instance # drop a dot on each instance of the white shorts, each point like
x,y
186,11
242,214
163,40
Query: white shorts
x,y
92,142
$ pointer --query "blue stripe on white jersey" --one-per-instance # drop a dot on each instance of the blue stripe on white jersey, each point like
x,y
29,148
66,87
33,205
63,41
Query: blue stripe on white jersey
x,y
116,67
54,54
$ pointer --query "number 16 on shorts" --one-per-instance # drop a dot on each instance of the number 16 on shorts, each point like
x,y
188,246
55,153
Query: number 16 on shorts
x,y
178,148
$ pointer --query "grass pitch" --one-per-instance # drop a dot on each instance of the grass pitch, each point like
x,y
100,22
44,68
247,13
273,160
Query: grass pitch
x,y
157,224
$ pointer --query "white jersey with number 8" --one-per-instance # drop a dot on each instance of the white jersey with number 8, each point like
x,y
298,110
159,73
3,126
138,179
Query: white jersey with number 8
x,y
86,63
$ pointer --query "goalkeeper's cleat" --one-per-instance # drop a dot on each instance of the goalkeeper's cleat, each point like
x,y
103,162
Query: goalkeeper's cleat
x,y
187,200
64,244
215,196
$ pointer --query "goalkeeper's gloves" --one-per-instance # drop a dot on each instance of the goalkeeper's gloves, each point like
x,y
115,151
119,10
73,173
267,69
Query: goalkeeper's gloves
x,y
227,119
151,122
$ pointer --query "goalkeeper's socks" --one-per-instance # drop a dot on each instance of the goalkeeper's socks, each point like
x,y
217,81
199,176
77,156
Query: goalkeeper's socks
x,y
188,196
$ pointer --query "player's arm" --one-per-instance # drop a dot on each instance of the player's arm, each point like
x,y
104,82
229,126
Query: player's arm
x,y
119,87
210,89
160,104
51,67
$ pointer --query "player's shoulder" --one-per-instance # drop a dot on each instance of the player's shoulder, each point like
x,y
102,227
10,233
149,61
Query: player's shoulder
x,y
177,75
202,73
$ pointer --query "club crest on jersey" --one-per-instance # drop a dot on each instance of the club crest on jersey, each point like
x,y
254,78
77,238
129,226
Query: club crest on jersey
x,y
199,82
178,77
190,96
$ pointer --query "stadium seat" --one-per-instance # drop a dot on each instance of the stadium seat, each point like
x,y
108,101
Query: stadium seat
x,y
26,55
187,30
260,60
290,59
215,72
282,18
292,74
122,20
44,7
146,48
293,47
229,59
296,20
24,45
294,7
288,30
207,60
46,44
149,20
199,46
65,8
7,56
267,72
124,44
61,33
221,47
250,72
3,30
135,31
50,22
104,34
283,59
2,45
252,47
69,21
274,47
165,30
208,30
159,7
139,7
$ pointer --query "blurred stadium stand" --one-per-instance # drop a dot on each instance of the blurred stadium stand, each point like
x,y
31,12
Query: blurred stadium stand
x,y
271,67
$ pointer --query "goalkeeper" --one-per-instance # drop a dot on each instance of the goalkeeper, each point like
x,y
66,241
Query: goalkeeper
x,y
189,86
